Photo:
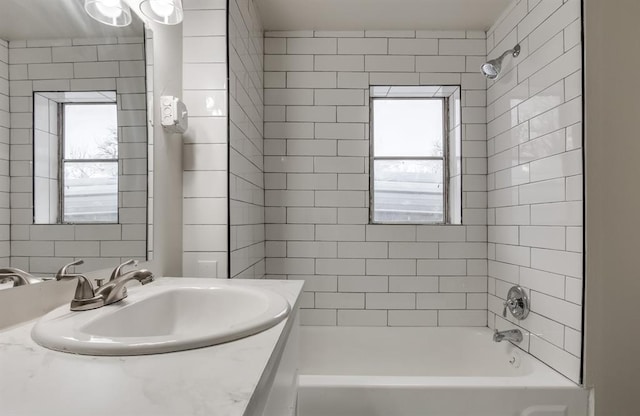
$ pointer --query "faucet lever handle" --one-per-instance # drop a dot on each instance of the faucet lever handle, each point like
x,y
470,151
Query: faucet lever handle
x,y
84,289
117,272
63,270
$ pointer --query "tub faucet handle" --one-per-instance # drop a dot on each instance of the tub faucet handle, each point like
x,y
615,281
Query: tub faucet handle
x,y
517,302
510,303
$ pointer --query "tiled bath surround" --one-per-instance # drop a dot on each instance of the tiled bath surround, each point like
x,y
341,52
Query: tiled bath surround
x,y
105,64
5,125
317,181
534,113
205,176
246,154
211,161
148,39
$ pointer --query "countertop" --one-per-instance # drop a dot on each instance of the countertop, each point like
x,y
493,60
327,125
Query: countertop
x,y
215,381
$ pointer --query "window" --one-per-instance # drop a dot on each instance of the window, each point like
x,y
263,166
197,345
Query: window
x,y
409,159
75,158
89,191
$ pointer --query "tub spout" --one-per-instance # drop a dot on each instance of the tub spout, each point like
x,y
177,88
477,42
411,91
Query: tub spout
x,y
513,335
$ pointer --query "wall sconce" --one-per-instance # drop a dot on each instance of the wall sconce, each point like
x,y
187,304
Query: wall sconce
x,y
110,12
167,12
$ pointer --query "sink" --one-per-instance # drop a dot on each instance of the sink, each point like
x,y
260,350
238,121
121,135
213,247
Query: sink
x,y
165,316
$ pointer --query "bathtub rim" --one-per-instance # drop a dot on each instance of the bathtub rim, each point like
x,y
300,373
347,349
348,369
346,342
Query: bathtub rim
x,y
541,375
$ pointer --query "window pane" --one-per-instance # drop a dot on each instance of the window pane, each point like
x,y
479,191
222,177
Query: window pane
x,y
90,192
91,131
407,127
408,191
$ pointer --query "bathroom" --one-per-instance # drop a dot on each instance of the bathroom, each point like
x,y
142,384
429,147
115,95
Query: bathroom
x,y
269,186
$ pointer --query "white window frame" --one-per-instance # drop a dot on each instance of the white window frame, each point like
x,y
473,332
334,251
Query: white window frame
x,y
444,158
62,160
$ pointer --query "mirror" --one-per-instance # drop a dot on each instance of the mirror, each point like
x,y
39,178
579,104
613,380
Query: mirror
x,y
58,68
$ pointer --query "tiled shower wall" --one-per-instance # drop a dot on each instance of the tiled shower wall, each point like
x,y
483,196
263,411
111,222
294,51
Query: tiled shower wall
x,y
317,182
205,223
535,177
5,124
148,39
106,64
246,163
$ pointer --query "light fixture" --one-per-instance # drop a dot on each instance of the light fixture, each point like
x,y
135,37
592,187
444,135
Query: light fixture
x,y
492,68
110,12
167,12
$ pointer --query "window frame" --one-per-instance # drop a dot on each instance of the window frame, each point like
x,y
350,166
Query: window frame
x,y
446,217
62,120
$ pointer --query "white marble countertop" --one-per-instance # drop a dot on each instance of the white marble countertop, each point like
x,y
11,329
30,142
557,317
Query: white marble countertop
x,y
213,381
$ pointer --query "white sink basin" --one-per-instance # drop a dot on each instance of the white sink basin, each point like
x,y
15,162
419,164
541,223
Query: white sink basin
x,y
159,318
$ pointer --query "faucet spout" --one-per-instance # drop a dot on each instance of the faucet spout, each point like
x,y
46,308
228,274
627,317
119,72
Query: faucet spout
x,y
87,297
513,335
116,290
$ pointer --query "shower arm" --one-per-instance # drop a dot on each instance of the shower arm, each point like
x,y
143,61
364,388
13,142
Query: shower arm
x,y
513,52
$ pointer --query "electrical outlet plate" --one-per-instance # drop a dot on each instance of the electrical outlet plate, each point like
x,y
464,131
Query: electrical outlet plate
x,y
174,114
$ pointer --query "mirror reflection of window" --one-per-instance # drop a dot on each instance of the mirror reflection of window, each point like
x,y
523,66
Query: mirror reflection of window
x,y
76,161
90,163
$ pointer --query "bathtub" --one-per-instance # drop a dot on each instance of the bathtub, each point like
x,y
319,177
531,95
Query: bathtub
x,y
385,371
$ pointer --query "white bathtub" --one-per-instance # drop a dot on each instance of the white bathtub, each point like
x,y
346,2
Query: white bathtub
x,y
359,371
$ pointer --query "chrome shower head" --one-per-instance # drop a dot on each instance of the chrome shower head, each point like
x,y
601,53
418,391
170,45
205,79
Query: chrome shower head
x,y
492,68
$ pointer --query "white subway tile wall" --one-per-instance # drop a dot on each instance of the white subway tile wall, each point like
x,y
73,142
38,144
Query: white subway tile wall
x,y
246,162
5,125
150,117
534,115
205,170
316,164
115,64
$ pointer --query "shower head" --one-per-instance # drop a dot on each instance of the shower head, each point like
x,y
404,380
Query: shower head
x,y
492,68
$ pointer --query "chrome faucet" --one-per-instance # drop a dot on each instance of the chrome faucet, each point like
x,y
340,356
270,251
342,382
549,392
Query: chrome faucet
x,y
86,297
17,276
513,335
116,290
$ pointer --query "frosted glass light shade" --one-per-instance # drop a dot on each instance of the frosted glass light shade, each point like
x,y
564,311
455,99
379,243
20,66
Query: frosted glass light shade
x,y
167,12
110,12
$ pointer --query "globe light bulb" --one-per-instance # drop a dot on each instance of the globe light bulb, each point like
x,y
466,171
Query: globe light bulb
x,y
166,12
162,8
110,8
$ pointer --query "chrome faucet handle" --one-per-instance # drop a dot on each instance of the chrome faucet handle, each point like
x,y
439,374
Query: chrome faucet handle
x,y
510,303
517,302
117,272
84,290
63,270
116,290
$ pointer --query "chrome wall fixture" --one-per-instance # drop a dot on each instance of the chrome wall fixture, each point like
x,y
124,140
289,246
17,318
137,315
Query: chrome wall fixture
x,y
517,303
492,68
167,12
110,12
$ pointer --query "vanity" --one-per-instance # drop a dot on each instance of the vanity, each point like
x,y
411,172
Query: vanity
x,y
254,375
